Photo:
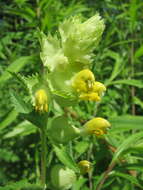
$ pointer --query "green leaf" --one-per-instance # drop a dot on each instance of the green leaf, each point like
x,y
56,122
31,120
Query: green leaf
x,y
79,183
19,104
22,129
8,118
126,144
64,94
117,67
22,185
36,118
136,167
65,158
16,66
132,82
137,101
139,52
125,123
81,147
130,178
8,155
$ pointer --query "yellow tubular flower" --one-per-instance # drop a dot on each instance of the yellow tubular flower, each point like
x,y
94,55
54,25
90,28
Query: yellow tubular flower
x,y
84,166
99,87
97,126
85,85
83,81
41,101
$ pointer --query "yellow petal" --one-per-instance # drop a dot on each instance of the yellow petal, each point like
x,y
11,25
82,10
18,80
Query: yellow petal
x,y
83,81
99,87
91,96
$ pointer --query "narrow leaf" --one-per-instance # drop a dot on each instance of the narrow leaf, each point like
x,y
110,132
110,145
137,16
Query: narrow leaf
x,y
8,119
126,144
22,129
65,158
132,82
16,66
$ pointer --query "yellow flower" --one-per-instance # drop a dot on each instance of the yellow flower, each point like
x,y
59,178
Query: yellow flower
x,y
41,101
84,166
86,86
92,96
97,126
83,81
99,87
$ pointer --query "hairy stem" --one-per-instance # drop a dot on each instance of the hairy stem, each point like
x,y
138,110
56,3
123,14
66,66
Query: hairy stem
x,y
43,156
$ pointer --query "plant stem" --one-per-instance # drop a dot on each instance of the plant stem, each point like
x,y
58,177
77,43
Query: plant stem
x,y
105,176
132,76
43,156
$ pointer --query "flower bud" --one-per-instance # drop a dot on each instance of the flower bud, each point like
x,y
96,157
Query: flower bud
x,y
97,126
84,166
41,101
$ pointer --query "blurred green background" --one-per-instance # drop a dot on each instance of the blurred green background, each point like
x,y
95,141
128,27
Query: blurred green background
x,y
118,63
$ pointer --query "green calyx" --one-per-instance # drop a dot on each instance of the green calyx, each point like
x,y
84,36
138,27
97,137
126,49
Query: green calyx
x,y
62,178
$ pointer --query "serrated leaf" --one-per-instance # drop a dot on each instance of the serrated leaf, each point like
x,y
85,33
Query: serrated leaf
x,y
15,67
19,77
19,104
65,158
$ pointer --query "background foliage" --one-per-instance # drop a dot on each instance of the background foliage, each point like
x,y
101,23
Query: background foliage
x,y
118,63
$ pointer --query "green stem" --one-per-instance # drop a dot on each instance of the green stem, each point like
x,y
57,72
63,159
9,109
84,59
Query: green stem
x,y
43,156
105,176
